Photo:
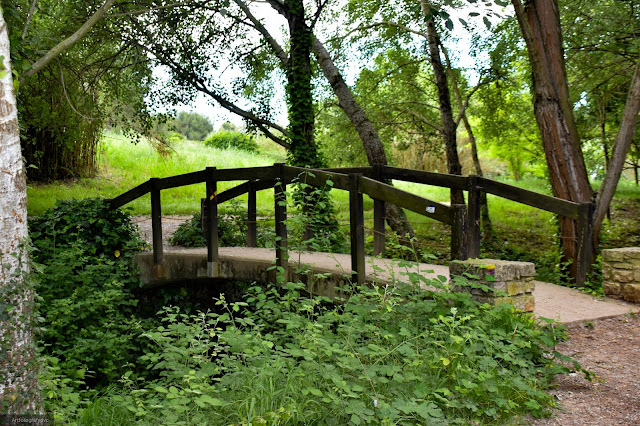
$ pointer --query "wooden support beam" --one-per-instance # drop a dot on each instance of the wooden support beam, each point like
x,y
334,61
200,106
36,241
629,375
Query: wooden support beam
x,y
156,229
473,213
379,213
356,218
280,201
427,178
459,228
213,260
540,201
252,239
584,255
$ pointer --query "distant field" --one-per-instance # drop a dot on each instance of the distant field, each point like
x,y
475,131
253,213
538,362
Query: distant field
x,y
123,165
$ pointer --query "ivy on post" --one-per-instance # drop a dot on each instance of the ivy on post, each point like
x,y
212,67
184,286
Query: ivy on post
x,y
378,217
280,201
213,260
251,215
156,229
356,218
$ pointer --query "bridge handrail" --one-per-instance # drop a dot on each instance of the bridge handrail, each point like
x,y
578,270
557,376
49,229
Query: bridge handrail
x,y
372,182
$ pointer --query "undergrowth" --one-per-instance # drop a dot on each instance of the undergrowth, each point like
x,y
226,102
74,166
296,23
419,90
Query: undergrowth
x,y
388,355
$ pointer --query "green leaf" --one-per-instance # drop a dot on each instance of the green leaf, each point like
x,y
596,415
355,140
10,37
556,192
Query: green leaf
x,y
204,400
449,24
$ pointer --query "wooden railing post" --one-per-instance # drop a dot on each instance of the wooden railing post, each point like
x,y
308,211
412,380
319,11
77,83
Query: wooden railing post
x,y
252,239
356,218
280,201
213,260
156,229
473,213
308,233
584,253
378,217
459,230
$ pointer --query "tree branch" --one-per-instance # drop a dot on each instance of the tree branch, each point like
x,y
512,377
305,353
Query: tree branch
x,y
29,17
279,51
68,42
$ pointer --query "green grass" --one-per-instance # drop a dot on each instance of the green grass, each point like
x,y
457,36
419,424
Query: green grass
x,y
123,165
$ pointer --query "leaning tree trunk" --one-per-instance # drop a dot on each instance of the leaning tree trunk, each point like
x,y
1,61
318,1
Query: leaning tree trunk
x,y
485,218
373,147
446,112
19,392
539,22
625,136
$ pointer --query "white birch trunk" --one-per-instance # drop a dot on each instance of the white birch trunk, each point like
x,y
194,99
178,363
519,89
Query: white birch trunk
x,y
19,391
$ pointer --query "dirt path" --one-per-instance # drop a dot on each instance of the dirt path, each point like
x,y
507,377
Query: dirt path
x,y
610,348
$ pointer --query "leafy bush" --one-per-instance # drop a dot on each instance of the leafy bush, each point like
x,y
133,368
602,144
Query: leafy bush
x,y
192,125
85,250
225,140
384,355
232,230
189,233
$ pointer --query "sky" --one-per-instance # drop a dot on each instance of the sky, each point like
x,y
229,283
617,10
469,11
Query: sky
x,y
275,23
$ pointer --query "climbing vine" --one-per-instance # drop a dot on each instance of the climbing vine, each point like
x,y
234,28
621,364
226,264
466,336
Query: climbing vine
x,y
304,149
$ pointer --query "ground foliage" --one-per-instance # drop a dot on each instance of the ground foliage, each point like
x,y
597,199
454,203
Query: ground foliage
x,y
224,139
84,251
390,355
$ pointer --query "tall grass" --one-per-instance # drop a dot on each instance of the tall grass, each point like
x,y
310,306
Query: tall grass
x,y
123,165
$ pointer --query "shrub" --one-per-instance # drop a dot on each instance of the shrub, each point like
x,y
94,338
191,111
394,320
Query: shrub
x,y
232,230
384,355
192,125
226,140
85,250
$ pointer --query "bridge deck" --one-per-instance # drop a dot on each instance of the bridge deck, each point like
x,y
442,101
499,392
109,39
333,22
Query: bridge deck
x,y
254,264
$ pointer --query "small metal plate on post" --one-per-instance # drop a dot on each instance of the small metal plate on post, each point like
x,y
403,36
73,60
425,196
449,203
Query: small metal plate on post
x,y
431,209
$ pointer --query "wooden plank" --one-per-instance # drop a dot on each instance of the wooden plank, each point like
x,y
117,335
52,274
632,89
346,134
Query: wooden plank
x,y
315,177
183,180
584,254
428,178
131,195
365,171
256,173
356,220
406,200
156,227
243,188
459,229
473,218
213,259
530,198
379,236
252,234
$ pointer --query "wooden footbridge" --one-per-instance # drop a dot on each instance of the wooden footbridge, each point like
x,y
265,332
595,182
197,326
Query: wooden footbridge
x,y
464,220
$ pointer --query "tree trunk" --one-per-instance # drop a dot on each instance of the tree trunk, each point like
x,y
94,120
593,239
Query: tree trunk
x,y
19,392
485,219
539,22
303,151
373,147
446,112
624,138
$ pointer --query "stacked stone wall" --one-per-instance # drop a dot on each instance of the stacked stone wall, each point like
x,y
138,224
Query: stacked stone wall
x,y
508,282
621,273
